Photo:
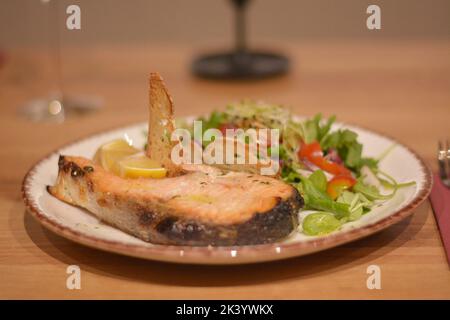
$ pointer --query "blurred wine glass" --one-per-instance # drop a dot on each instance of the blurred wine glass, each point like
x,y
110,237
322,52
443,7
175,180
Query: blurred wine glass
x,y
57,105
241,62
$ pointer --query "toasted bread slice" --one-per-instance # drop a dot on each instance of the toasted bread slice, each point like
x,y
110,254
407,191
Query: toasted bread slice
x,y
161,125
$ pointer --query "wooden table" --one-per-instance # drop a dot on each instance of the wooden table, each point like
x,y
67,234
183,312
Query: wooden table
x,y
400,88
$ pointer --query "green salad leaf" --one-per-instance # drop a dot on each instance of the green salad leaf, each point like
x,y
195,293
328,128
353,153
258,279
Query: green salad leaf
x,y
314,130
358,203
320,223
371,192
345,142
319,200
390,183
214,120
319,180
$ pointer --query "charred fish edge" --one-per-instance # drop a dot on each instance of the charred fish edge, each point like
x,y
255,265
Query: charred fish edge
x,y
264,227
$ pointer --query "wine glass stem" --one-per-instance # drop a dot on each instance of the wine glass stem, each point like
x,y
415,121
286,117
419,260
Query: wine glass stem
x,y
58,50
241,41
55,46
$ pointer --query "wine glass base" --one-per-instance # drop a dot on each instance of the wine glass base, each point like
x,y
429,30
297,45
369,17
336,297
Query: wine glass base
x,y
56,109
240,65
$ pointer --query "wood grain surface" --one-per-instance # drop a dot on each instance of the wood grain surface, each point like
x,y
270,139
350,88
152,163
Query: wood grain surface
x,y
400,88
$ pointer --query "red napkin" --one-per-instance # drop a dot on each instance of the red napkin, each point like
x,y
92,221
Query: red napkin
x,y
440,200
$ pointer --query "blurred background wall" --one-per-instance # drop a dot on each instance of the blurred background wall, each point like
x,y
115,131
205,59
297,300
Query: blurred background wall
x,y
25,22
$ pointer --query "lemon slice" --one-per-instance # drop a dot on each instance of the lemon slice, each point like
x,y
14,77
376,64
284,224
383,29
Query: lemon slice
x,y
141,166
109,154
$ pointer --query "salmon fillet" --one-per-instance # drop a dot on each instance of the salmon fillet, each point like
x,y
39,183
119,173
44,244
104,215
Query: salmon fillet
x,y
204,206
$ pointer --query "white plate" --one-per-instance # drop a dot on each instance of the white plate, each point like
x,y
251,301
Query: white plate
x,y
78,225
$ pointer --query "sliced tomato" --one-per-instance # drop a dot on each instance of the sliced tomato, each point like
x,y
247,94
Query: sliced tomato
x,y
338,184
223,127
310,150
314,154
331,167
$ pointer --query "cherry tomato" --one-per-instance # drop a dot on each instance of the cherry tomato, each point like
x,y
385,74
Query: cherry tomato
x,y
314,154
338,184
223,127
310,150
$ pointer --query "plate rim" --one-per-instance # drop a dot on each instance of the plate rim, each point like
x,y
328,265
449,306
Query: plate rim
x,y
222,254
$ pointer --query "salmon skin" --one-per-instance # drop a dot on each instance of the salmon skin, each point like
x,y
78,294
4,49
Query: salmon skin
x,y
204,206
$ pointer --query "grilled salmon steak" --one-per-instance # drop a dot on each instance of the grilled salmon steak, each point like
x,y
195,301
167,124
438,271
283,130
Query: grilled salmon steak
x,y
203,206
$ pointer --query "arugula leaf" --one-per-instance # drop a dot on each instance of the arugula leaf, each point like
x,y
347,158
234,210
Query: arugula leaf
x,y
214,121
359,204
369,162
371,192
313,130
353,156
319,200
323,131
319,180
390,183
289,175
309,129
345,142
